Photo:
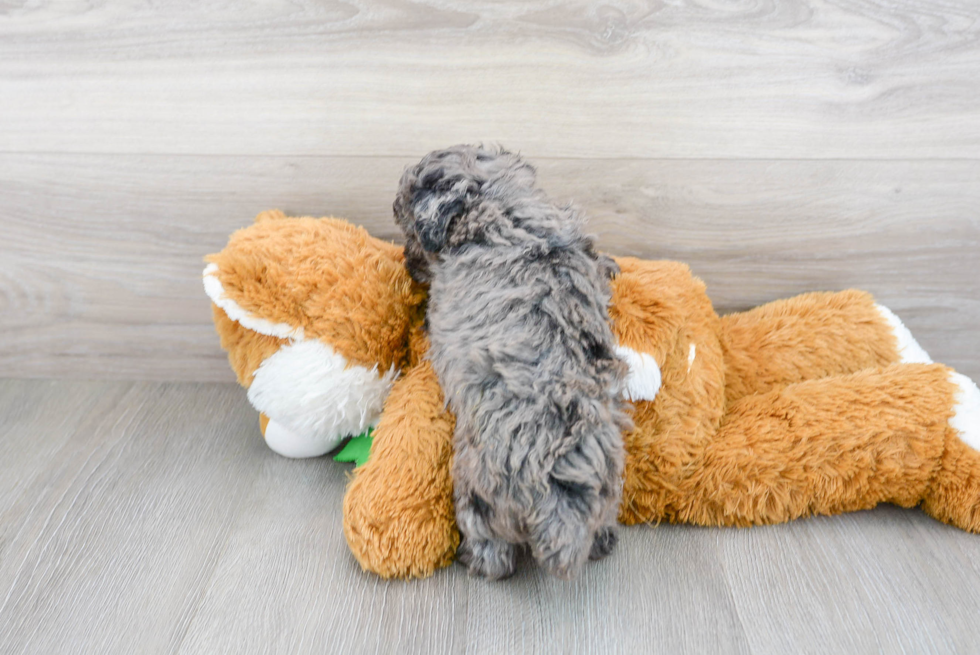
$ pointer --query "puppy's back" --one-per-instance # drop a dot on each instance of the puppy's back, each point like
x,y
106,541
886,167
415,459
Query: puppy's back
x,y
521,342
524,349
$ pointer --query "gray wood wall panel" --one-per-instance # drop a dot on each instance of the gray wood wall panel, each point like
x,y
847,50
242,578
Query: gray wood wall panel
x,y
790,79
164,525
101,254
776,147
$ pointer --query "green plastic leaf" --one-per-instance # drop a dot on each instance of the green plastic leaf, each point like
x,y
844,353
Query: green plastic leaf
x,y
356,450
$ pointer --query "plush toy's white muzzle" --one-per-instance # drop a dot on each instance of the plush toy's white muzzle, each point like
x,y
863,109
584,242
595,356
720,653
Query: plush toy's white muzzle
x,y
315,396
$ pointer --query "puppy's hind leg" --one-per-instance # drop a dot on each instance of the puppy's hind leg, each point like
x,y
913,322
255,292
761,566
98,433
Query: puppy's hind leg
x,y
480,550
606,537
488,558
603,542
564,538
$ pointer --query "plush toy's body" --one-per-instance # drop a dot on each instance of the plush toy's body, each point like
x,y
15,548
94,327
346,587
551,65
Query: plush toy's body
x,y
818,404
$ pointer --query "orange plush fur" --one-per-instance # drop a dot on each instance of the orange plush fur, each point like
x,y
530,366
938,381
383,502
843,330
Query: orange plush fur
x,y
329,278
796,408
405,489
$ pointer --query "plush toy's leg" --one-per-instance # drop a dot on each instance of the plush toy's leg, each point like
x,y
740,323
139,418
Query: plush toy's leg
x,y
954,496
398,509
832,445
809,337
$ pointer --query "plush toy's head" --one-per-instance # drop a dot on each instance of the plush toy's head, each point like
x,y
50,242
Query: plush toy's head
x,y
315,315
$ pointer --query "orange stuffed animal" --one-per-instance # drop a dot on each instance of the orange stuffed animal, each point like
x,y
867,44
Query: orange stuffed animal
x,y
818,404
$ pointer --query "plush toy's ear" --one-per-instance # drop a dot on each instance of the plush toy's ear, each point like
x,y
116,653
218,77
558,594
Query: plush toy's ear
x,y
270,215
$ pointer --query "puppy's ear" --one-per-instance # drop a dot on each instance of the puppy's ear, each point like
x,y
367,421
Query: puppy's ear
x,y
416,262
435,212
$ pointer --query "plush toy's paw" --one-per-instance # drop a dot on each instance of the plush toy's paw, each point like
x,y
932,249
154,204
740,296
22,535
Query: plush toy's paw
x,y
966,412
410,542
954,496
604,542
288,443
491,559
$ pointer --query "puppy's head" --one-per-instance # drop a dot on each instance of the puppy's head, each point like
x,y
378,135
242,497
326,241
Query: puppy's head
x,y
441,201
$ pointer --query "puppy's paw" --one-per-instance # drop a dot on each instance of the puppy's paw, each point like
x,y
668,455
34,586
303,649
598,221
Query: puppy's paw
x,y
604,542
494,560
564,563
565,560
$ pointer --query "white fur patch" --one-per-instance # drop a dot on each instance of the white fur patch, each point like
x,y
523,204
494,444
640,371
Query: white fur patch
x,y
287,443
909,349
966,416
309,389
643,380
216,292
692,353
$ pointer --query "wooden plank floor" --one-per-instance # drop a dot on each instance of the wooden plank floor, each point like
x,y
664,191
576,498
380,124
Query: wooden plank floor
x,y
150,518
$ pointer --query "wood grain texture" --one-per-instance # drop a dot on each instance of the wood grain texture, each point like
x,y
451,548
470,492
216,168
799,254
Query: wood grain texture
x,y
100,259
562,78
150,518
782,576
116,531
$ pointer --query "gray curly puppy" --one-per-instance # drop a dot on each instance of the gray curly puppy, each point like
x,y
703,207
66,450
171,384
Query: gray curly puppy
x,y
520,340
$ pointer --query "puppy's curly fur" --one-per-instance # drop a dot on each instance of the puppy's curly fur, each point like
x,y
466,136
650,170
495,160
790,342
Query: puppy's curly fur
x,y
521,342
